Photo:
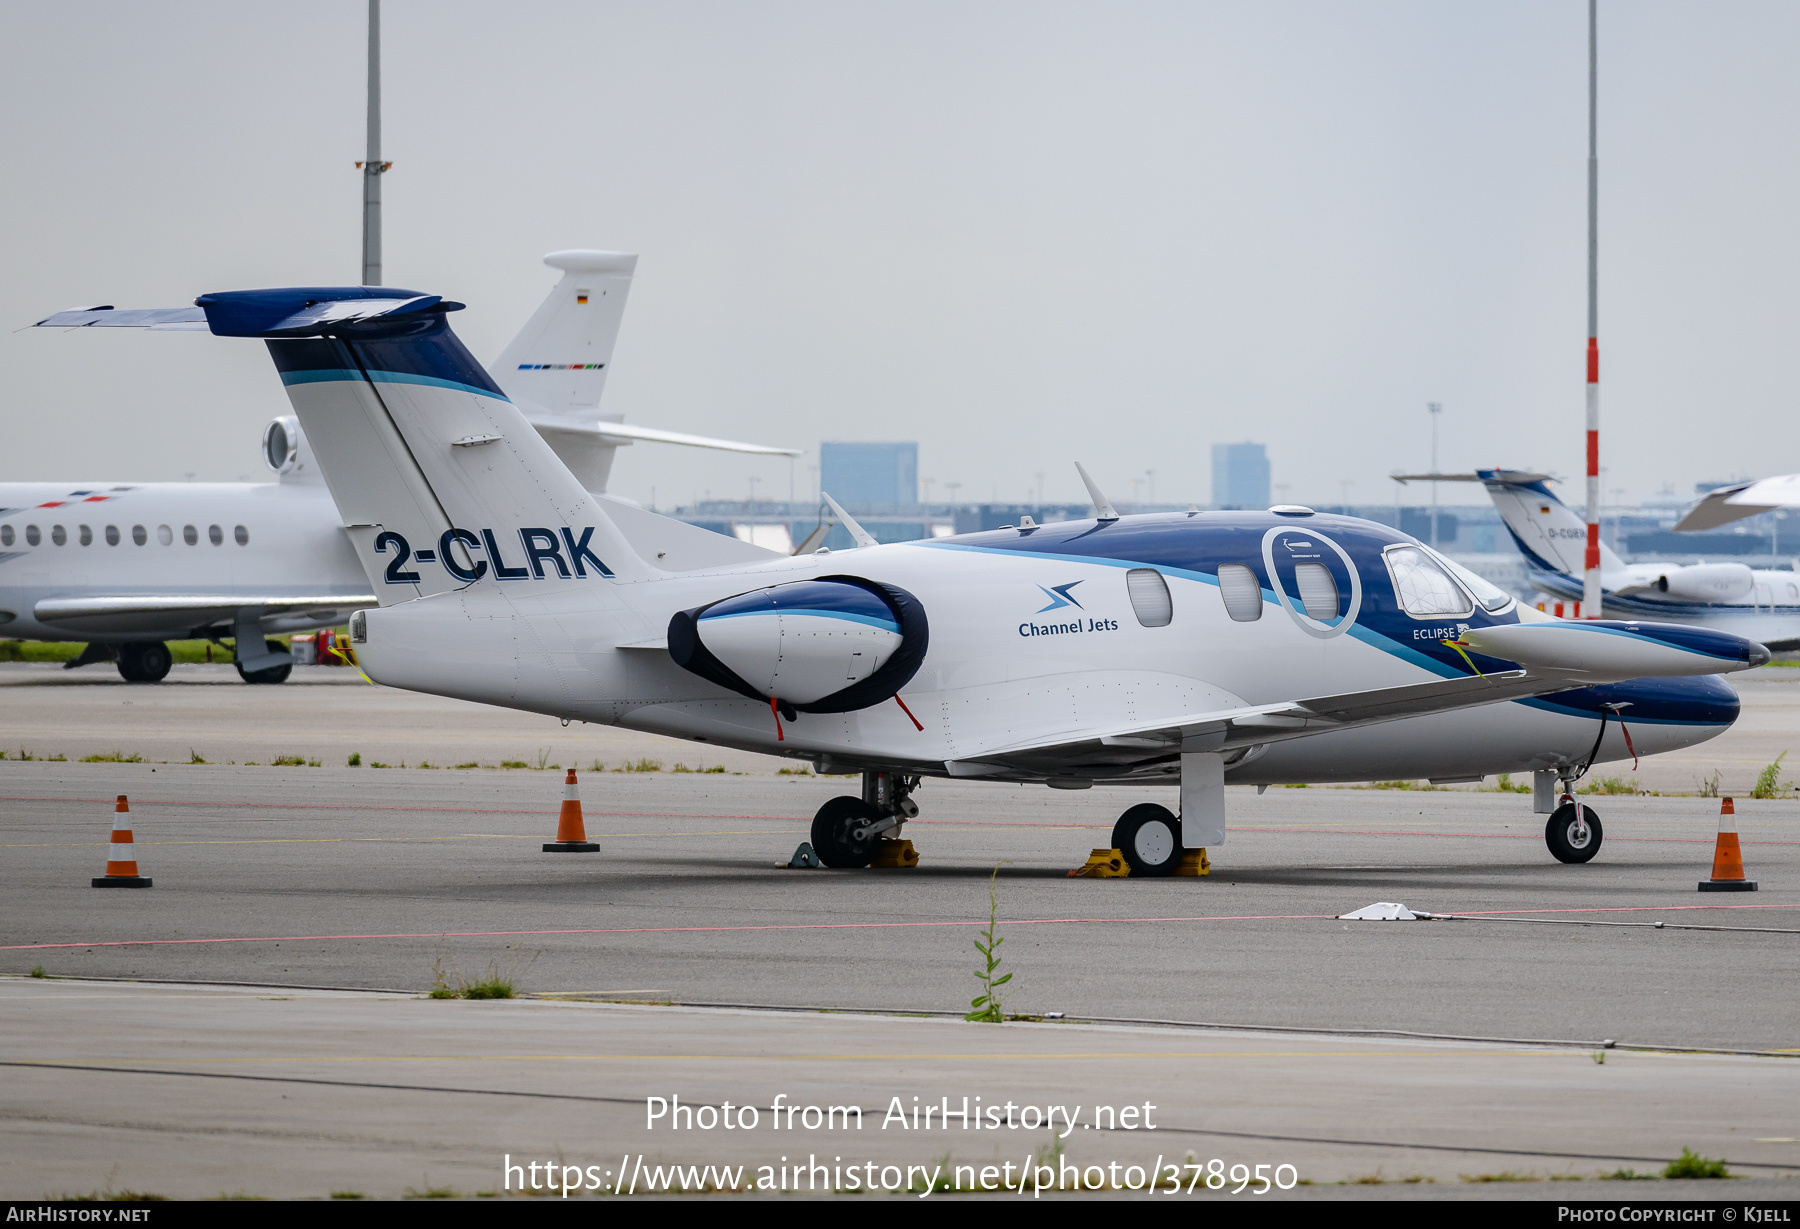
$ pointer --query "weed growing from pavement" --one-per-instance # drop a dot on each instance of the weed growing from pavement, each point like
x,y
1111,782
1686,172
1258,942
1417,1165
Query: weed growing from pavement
x,y
37,970
1503,784
986,1007
794,772
544,759
1614,785
491,984
1709,788
348,1195
1768,781
109,757
470,764
355,760
194,757
644,764
1691,1165
514,764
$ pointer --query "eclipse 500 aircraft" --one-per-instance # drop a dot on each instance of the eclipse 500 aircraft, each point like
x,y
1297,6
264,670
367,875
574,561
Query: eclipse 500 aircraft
x,y
125,566
1279,646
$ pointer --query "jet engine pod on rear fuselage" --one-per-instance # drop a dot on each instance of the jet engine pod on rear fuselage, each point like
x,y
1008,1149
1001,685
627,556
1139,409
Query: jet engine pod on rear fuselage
x,y
831,645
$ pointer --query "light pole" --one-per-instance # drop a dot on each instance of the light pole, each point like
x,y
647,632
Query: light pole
x,y
1435,408
372,166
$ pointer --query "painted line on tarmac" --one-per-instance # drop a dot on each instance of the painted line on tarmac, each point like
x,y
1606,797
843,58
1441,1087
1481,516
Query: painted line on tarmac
x,y
661,930
336,840
1362,1142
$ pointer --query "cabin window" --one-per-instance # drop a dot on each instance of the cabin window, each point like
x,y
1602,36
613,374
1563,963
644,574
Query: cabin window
x,y
6,535
59,535
112,535
165,535
1149,597
86,535
1491,596
1424,588
242,535
190,535
1318,591
1241,591
214,534
138,535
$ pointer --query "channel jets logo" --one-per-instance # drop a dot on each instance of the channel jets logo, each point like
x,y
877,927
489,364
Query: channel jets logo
x,y
1061,598
541,549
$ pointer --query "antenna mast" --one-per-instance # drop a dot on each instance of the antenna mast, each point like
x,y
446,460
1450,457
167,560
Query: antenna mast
x,y
1590,581
372,166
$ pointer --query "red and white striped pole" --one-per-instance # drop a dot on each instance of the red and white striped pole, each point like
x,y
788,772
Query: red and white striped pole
x,y
1590,580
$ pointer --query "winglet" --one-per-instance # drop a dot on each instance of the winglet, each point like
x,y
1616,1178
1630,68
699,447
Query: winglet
x,y
863,537
1103,509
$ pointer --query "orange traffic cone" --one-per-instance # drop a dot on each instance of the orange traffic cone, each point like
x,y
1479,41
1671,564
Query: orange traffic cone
x,y
1728,859
121,856
571,837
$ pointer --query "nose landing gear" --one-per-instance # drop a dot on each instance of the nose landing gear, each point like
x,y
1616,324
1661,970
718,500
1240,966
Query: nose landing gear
x,y
846,831
1573,833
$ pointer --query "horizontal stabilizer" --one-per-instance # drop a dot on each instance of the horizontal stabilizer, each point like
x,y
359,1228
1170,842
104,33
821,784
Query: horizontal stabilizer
x,y
300,311
1734,503
625,433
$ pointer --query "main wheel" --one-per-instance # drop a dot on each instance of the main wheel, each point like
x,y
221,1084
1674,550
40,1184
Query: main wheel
x,y
274,674
832,830
145,662
1569,841
1150,838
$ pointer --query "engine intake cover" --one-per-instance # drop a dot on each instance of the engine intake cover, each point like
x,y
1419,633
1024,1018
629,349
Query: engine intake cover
x,y
831,645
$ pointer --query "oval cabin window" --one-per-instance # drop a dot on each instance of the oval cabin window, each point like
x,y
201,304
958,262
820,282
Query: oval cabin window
x,y
6,535
165,535
1318,591
86,535
138,535
1149,597
59,535
214,534
242,535
112,535
1241,591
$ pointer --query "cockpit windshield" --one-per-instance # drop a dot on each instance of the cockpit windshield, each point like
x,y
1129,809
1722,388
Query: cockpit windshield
x,y
1492,597
1423,586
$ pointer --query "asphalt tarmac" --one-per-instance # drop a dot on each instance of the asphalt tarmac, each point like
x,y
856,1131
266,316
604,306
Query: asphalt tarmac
x,y
386,879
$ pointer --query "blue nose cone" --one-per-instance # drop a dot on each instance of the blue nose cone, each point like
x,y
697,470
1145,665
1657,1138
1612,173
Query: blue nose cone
x,y
1701,700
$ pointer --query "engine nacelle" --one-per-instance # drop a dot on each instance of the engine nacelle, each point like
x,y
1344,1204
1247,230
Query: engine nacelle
x,y
831,645
1707,582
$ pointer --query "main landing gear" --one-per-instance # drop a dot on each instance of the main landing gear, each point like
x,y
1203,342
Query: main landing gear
x,y
846,830
1150,838
1573,831
274,674
144,661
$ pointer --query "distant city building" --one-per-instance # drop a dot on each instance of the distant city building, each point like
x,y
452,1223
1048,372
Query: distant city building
x,y
1240,477
870,475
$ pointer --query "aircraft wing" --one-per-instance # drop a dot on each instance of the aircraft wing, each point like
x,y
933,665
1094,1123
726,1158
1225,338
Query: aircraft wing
x,y
99,615
1542,658
625,433
1732,503
1231,728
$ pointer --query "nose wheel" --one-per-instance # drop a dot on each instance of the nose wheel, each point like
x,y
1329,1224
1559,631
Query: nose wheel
x,y
1573,833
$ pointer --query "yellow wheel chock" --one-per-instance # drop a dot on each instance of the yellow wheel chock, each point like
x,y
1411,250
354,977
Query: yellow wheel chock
x,y
1193,864
894,855
1102,864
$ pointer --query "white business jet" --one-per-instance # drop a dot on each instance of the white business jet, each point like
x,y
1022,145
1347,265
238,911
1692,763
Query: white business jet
x,y
1162,649
126,566
1761,604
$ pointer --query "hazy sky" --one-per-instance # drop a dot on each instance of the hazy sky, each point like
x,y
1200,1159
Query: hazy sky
x,y
1021,234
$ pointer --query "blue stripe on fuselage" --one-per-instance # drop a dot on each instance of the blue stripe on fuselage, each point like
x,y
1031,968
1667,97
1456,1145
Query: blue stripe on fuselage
x,y
1193,547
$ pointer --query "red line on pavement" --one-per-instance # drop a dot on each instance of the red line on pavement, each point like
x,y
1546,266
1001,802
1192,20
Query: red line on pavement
x,y
659,930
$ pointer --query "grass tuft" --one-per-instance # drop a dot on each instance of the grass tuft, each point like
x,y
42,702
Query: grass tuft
x,y
37,970
355,760
470,764
1627,786
288,761
514,764
1691,1165
348,1195
490,985
643,764
1627,1175
194,757
793,772
1768,781
110,757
